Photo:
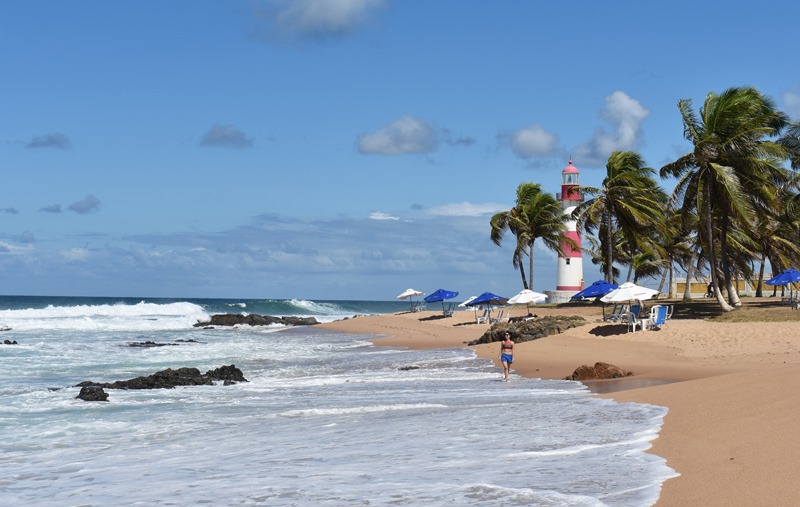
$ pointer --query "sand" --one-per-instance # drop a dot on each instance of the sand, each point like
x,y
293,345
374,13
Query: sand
x,y
730,388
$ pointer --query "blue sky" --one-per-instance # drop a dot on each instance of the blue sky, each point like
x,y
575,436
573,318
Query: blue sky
x,y
335,149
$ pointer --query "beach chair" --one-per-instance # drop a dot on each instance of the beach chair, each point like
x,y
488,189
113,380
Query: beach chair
x,y
499,318
483,319
448,310
633,321
669,311
658,317
419,307
616,313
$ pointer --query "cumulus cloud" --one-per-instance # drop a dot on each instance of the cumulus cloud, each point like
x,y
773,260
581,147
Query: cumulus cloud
x,y
89,205
792,101
466,209
54,140
533,141
318,20
380,215
404,136
225,136
53,208
625,115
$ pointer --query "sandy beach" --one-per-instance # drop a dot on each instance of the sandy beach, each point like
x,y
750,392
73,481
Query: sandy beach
x,y
729,386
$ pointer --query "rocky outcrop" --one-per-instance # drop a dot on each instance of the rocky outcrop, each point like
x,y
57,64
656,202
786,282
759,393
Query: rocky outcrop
x,y
9,342
600,371
252,319
169,378
531,329
92,393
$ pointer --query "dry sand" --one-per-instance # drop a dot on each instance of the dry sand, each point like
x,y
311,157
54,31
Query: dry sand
x,y
731,430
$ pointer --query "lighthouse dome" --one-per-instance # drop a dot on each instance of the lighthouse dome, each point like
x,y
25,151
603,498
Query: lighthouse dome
x,y
570,169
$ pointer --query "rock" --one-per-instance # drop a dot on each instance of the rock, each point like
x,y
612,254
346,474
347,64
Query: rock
x,y
92,393
10,342
169,378
531,329
600,371
148,344
408,368
252,319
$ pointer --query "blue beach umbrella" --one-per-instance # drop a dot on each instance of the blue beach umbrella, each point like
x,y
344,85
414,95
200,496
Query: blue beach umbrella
x,y
488,299
789,277
598,288
440,295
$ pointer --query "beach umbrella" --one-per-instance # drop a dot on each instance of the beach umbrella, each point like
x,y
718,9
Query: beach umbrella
x,y
598,288
488,299
467,302
789,277
628,292
440,295
410,294
526,297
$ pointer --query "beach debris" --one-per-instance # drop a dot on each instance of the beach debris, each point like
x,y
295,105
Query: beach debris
x,y
92,393
600,371
253,319
169,378
531,329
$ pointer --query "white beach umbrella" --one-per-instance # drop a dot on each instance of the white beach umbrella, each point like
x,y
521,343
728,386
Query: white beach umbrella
x,y
464,304
527,297
628,292
409,294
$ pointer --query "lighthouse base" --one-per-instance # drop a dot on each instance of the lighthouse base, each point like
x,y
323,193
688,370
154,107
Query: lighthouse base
x,y
560,296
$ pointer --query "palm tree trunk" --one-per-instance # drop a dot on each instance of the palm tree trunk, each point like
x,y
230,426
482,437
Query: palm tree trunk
x,y
687,290
712,257
530,266
609,248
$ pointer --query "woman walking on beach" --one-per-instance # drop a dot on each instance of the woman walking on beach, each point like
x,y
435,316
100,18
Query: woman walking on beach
x,y
507,353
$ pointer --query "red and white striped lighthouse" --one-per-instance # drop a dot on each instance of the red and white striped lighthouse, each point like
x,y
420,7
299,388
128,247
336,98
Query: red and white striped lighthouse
x,y
570,263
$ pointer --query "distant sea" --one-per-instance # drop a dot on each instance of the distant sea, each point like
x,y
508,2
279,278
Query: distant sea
x,y
326,418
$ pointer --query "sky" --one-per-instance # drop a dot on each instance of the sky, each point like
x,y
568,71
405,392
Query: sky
x,y
336,149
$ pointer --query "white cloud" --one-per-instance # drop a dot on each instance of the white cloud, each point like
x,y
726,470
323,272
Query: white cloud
x,y
379,215
625,114
466,209
314,19
533,141
75,254
792,101
404,136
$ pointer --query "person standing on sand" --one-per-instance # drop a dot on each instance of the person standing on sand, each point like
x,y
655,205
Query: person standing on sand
x,y
507,353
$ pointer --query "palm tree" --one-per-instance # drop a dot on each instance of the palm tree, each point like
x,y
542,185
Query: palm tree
x,y
791,142
536,215
629,201
730,169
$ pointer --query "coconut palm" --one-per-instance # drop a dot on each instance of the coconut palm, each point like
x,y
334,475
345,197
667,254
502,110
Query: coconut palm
x,y
629,200
730,170
536,215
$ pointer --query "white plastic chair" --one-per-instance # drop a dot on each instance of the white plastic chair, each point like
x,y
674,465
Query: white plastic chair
x,y
633,321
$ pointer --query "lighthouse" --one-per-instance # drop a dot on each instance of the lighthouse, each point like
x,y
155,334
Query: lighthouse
x,y
570,261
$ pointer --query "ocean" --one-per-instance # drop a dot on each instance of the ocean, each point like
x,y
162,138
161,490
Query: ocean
x,y
325,418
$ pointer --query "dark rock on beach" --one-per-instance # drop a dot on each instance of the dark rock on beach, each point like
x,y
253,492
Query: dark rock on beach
x,y
10,342
531,329
169,378
92,393
252,319
149,344
600,371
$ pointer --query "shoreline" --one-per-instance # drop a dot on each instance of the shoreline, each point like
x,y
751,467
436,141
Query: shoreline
x,y
729,388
